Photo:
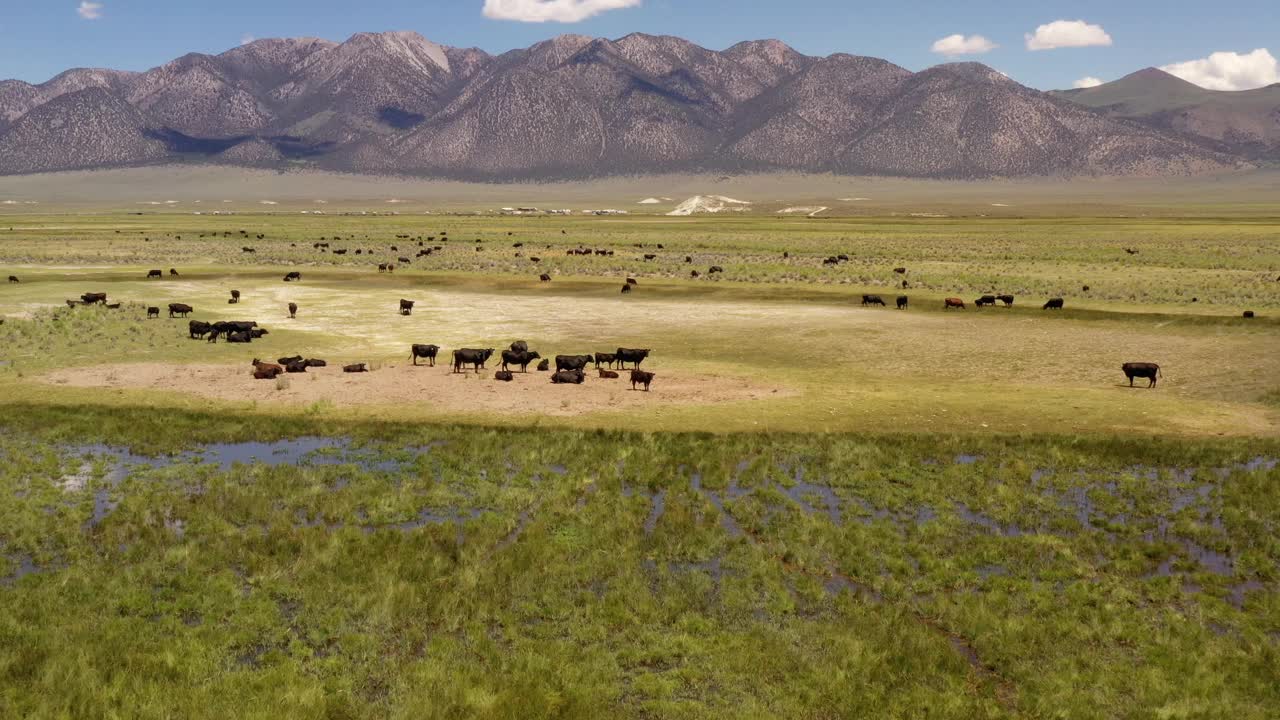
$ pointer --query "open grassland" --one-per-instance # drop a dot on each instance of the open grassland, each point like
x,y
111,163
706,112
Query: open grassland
x,y
821,509
429,571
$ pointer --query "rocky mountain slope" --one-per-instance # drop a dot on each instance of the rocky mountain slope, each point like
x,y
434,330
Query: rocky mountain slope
x,y
574,106
1245,122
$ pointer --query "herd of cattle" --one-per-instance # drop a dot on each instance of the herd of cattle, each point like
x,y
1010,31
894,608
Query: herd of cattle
x,y
956,303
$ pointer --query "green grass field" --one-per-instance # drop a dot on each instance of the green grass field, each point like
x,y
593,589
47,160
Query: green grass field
x,y
821,509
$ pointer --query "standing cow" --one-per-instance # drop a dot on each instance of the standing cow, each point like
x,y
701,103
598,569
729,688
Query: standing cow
x,y
1054,304
631,355
639,377
293,310
176,309
426,352
406,307
1150,371
872,300
952,303
471,356
903,300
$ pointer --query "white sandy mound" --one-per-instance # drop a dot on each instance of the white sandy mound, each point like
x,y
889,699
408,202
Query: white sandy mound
x,y
649,201
709,204
809,210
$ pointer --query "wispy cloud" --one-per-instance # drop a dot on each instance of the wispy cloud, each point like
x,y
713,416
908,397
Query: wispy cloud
x,y
1229,70
564,11
1067,34
1086,82
90,10
247,38
963,45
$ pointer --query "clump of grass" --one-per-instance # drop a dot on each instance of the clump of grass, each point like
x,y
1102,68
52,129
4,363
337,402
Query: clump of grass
x,y
282,383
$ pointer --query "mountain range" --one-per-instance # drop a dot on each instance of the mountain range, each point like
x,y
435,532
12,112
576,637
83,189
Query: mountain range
x,y
577,106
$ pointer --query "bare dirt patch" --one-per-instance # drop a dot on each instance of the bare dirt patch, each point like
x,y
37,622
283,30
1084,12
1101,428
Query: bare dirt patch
x,y
432,388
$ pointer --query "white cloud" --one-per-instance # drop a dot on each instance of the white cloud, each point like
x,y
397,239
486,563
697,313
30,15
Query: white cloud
x,y
1067,34
1229,70
1086,82
963,45
90,10
247,38
564,11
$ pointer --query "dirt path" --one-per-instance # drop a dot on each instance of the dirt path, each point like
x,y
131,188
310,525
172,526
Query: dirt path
x,y
432,387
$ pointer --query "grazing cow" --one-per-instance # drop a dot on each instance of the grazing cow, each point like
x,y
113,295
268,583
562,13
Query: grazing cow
x,y
471,356
382,267
900,270
573,362
293,310
357,368
176,309
626,289
608,374
650,257
639,377
872,300
831,261
153,312
239,337
544,366
406,307
985,300
198,329
1248,313
155,274
632,281
544,277
715,269
503,376
426,352
952,303
247,249
903,300
295,275
1131,251
605,359
1085,288
235,297
518,357
1053,304
173,272
1151,371
94,298
695,274
1006,299
631,355
13,278
568,377
905,284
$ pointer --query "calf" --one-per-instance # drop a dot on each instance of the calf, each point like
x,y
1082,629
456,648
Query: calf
x,y
426,352
357,368
257,333
153,312
626,289
293,311
608,374
235,297
406,307
173,272
176,309
872,300
605,359
568,377
503,376
902,302
900,270
1151,371
544,366
952,303
1054,304
639,377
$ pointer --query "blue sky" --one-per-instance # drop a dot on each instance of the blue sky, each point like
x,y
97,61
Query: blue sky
x,y
44,37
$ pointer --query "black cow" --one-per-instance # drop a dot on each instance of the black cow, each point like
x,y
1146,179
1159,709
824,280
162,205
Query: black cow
x,y
568,377
695,274
605,359
503,376
985,300
1054,304
406,307
632,281
295,275
180,309
631,355
1151,371
153,312
155,274
872,300
290,360
239,337
235,297
1006,299
626,289
258,333
544,277
715,269
650,257
471,356
639,377
518,357
13,278
297,367
1248,313
573,362
173,272
520,346
903,300
426,352
357,368
199,329
608,374
312,362
900,270
544,366
94,298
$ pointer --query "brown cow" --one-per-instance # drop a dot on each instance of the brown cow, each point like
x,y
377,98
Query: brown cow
x,y
1151,371
293,310
952,303
608,374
